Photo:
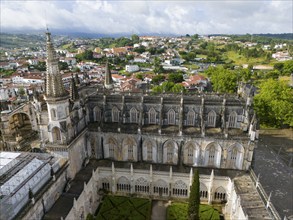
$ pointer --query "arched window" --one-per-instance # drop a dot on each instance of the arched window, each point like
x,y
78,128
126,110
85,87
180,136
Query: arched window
x,y
142,185
220,194
130,152
149,152
123,184
133,115
235,157
56,134
180,189
161,188
97,114
190,118
211,156
169,154
203,191
111,144
148,149
190,155
105,184
152,116
53,114
115,114
232,121
171,117
211,119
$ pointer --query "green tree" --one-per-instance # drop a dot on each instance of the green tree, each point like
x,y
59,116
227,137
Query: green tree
x,y
21,91
86,55
135,38
178,88
158,68
41,66
223,80
62,65
194,198
274,103
158,79
175,77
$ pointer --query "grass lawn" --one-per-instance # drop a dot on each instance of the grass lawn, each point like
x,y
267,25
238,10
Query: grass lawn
x,y
122,208
178,211
240,60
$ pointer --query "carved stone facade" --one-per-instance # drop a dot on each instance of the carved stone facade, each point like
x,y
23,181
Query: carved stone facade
x,y
206,131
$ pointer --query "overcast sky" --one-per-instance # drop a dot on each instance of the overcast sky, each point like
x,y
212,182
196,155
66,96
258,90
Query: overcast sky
x,y
139,17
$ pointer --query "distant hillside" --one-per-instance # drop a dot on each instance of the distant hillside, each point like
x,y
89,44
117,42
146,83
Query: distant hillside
x,y
285,36
21,40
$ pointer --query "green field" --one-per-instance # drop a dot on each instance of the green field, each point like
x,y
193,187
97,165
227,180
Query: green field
x,y
178,211
240,59
122,208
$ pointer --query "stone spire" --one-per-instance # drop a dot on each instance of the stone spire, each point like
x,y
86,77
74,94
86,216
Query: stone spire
x,y
73,90
108,77
54,84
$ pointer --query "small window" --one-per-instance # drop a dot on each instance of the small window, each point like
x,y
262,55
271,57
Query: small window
x,y
211,119
190,118
152,116
171,117
169,154
133,115
97,114
149,153
232,122
115,115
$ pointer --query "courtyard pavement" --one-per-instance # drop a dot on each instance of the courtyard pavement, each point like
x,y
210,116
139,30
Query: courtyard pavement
x,y
276,174
159,210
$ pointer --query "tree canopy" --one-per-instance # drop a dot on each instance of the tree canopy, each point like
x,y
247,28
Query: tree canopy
x,y
223,80
274,103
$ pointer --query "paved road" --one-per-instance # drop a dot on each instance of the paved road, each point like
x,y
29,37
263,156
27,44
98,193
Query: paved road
x,y
159,210
276,177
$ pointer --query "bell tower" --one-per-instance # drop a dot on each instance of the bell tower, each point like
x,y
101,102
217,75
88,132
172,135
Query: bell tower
x,y
57,99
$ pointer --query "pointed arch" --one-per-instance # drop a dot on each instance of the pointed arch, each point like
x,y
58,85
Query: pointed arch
x,y
152,116
133,115
211,122
97,114
171,117
191,152
180,189
56,135
203,191
161,188
213,155
170,152
235,156
190,118
129,149
110,148
232,120
220,194
149,148
105,184
115,114
123,184
141,185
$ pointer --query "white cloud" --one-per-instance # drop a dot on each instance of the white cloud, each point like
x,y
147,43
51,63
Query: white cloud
x,y
176,17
